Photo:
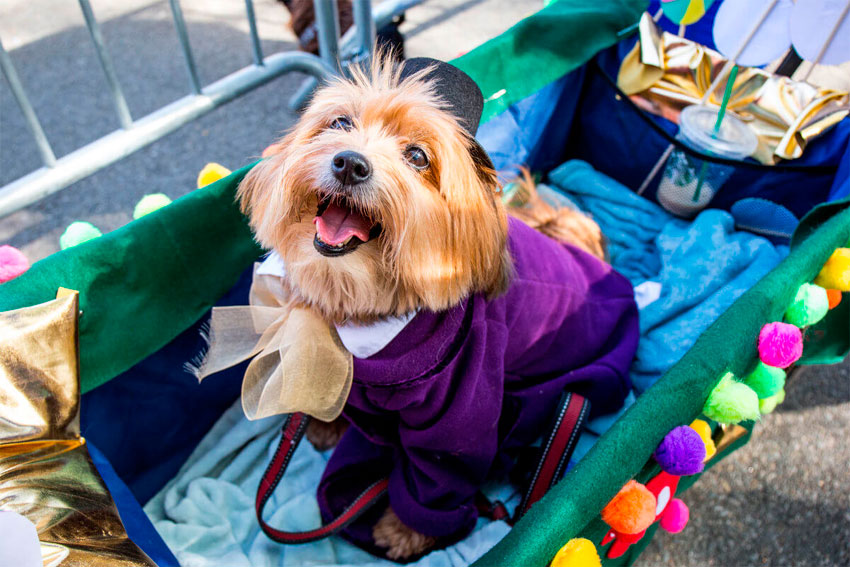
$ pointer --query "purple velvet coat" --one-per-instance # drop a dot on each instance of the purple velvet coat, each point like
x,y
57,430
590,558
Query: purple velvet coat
x,y
446,404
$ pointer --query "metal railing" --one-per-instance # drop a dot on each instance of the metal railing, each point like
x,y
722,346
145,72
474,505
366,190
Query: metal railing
x,y
57,174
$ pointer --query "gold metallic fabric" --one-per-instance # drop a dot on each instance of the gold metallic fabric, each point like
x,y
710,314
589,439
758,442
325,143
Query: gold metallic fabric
x,y
664,73
299,363
726,434
46,473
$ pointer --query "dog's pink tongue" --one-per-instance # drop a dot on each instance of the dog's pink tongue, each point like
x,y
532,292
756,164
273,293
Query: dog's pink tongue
x,y
337,224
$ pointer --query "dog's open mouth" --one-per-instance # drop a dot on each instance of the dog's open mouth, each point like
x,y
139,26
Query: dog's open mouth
x,y
341,227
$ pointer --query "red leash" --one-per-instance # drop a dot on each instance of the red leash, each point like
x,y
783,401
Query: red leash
x,y
293,430
559,446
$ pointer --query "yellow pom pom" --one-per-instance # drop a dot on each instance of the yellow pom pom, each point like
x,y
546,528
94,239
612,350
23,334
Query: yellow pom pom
x,y
578,552
211,173
731,401
704,431
767,405
150,203
835,274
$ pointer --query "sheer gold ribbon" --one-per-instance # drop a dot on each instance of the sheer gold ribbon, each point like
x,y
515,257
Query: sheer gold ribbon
x,y
664,73
298,361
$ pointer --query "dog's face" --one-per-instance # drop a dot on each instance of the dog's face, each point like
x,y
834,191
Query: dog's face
x,y
379,202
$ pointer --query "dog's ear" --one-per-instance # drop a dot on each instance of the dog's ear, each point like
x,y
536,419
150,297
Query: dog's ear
x,y
257,196
483,165
480,222
501,277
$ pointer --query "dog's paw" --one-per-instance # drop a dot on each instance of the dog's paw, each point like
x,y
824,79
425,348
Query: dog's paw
x,y
325,435
401,542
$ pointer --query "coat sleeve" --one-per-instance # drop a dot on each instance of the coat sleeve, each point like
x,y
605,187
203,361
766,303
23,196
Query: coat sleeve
x,y
449,438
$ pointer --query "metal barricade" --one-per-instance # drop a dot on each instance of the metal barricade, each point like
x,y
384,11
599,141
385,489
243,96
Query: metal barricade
x,y
57,174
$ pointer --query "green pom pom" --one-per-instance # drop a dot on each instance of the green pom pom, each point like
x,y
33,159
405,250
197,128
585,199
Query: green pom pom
x,y
150,203
77,233
809,306
767,405
731,402
765,380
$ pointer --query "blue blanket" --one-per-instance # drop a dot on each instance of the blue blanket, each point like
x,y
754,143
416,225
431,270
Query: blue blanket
x,y
702,266
206,513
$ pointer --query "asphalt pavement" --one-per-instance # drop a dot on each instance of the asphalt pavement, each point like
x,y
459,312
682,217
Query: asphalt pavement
x,y
781,500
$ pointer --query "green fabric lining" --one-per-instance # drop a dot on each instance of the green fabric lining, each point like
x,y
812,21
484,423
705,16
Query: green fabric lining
x,y
143,284
572,506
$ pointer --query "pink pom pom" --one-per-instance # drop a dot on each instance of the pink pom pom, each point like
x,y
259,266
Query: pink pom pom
x,y
13,263
780,344
675,517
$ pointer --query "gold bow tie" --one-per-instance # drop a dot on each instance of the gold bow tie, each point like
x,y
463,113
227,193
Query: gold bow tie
x,y
299,363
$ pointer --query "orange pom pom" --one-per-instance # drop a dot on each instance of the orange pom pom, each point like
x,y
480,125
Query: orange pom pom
x,y
632,510
834,297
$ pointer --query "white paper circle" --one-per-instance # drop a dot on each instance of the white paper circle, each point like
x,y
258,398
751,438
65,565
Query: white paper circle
x,y
736,18
19,545
811,23
662,500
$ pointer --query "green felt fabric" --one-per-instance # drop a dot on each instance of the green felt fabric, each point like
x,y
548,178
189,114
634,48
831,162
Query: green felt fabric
x,y
544,47
143,284
572,507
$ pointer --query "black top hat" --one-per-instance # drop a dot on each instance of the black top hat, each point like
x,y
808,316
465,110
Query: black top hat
x,y
454,86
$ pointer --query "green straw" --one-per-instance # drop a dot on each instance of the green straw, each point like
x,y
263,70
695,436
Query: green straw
x,y
727,94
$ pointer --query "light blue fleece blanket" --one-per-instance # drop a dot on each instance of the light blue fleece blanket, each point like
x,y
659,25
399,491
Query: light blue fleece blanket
x,y
702,266
206,514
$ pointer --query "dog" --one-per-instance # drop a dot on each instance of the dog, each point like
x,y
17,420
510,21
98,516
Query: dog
x,y
384,207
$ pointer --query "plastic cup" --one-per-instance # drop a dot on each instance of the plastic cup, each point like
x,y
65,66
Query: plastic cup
x,y
689,183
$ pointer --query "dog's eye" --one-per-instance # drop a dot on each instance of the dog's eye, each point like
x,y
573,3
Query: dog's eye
x,y
342,123
416,157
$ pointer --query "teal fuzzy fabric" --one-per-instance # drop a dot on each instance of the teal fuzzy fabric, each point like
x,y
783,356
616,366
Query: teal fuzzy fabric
x,y
703,265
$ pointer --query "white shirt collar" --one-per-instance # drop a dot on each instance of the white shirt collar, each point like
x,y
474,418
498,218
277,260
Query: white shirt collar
x,y
362,341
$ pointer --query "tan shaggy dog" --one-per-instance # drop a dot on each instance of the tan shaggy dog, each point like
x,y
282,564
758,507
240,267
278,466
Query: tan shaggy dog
x,y
380,203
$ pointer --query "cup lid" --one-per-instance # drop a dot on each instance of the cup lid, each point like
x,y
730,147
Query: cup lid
x,y
735,140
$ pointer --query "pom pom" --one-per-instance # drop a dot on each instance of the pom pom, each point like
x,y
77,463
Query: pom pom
x,y
150,203
632,510
681,452
809,306
780,344
578,552
675,516
767,405
765,380
731,401
704,430
77,233
833,296
835,274
211,173
13,263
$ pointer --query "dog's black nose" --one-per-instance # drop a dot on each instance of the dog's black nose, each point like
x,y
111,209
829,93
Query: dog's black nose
x,y
351,168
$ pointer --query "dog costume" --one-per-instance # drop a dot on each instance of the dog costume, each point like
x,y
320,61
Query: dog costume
x,y
453,397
